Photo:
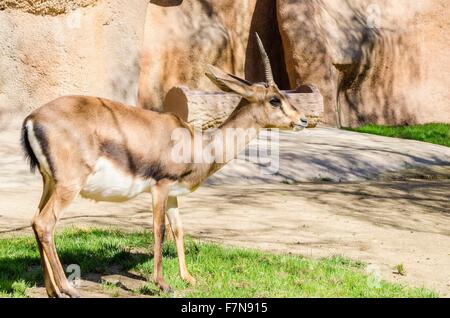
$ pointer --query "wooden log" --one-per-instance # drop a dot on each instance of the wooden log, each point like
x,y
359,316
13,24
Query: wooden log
x,y
210,109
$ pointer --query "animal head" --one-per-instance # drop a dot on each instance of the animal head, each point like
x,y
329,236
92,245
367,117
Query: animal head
x,y
270,106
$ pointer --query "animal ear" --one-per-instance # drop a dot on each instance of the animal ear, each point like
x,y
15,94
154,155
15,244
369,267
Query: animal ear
x,y
229,83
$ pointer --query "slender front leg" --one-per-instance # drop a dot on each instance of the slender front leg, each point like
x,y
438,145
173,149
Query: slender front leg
x,y
159,196
173,214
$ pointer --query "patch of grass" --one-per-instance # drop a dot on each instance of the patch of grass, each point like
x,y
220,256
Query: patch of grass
x,y
400,269
433,133
111,288
220,271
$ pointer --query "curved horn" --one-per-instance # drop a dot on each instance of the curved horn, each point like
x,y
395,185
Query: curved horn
x,y
266,61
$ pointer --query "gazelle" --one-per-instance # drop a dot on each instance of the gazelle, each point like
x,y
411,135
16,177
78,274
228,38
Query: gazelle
x,y
107,151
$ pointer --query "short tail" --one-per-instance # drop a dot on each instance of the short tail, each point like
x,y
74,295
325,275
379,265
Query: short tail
x,y
26,147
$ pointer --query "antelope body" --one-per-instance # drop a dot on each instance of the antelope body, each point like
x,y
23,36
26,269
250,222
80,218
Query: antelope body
x,y
106,151
115,158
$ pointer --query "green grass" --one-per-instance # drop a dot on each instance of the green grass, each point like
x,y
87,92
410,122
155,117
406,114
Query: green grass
x,y
433,133
400,269
220,271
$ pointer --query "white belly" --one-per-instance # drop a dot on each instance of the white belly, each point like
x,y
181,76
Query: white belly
x,y
178,189
108,183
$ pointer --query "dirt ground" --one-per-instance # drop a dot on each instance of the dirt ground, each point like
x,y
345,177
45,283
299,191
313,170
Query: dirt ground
x,y
381,223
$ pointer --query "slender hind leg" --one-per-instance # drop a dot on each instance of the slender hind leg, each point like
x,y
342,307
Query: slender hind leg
x,y
173,214
46,192
168,233
44,224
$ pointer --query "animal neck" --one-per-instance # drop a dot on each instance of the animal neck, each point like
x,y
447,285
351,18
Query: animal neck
x,y
228,141
233,136
242,118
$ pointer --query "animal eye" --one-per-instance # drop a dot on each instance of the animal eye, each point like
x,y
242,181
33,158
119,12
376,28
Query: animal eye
x,y
275,102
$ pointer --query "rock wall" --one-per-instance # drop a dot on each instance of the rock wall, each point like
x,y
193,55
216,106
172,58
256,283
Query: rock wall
x,y
89,47
46,7
183,36
265,23
373,60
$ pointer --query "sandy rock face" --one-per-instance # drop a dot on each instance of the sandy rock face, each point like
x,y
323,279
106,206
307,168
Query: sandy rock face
x,y
45,7
375,61
182,37
90,50
265,23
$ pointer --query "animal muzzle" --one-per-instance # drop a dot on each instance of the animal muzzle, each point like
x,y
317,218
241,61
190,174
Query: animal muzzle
x,y
300,125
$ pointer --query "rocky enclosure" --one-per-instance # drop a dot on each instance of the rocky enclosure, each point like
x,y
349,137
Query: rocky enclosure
x,y
373,60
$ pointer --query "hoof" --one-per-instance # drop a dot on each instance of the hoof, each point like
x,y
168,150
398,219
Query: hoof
x,y
164,287
190,280
74,295
70,291
64,293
